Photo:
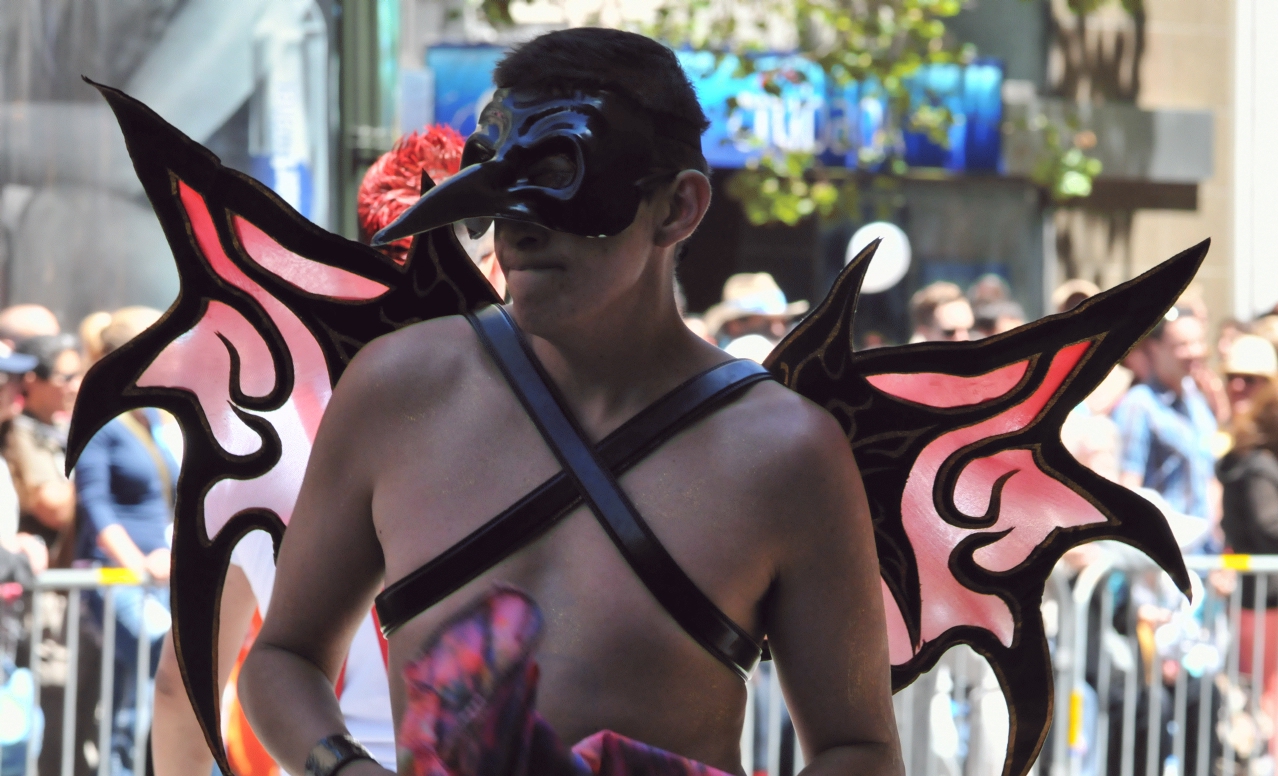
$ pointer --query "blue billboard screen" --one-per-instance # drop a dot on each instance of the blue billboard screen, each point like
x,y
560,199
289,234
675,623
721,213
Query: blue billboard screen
x,y
844,126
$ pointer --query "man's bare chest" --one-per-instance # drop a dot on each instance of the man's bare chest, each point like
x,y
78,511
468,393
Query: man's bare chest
x,y
447,474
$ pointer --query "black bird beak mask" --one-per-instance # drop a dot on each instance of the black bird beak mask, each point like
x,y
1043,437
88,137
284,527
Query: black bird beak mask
x,y
579,164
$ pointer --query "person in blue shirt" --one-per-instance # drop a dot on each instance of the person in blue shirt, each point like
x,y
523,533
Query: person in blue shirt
x,y
1165,423
124,483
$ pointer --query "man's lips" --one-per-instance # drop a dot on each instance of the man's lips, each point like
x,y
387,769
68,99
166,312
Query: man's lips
x,y
534,266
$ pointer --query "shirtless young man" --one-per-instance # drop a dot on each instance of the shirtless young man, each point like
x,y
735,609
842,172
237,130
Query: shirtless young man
x,y
760,503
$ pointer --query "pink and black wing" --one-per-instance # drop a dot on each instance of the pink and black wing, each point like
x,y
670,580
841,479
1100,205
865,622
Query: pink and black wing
x,y
973,496
271,310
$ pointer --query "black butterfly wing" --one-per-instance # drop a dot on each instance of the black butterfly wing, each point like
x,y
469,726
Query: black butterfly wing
x,y
271,310
973,496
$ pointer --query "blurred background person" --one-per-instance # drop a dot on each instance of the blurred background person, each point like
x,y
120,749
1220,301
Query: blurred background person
x,y
1207,379
1249,479
1266,326
1250,363
752,315
91,336
1230,330
12,368
988,288
35,446
941,313
124,485
1072,293
23,321
996,317
120,327
1166,425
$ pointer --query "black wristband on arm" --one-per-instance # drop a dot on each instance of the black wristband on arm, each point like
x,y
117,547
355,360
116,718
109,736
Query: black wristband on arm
x,y
333,753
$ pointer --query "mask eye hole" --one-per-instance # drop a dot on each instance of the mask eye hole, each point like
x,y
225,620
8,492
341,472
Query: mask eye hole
x,y
552,171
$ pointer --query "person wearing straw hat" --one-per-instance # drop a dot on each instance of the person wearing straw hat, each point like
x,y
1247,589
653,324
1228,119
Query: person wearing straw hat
x,y
752,304
1250,363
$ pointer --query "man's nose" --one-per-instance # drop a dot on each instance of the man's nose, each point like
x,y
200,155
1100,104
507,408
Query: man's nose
x,y
521,236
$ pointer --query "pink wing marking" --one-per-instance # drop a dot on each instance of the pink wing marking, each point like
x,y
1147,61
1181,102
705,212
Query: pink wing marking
x,y
295,421
310,276
200,363
941,390
1034,504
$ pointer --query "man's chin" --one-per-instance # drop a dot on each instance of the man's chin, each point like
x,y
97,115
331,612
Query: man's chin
x,y
540,302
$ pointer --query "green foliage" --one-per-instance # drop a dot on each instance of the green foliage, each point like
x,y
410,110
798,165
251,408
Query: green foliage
x,y
876,41
1063,166
776,189
497,13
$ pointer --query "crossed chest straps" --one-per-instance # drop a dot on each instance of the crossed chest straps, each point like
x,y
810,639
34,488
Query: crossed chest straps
x,y
588,474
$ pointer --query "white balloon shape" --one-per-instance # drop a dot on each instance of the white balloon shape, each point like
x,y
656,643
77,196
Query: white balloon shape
x,y
891,261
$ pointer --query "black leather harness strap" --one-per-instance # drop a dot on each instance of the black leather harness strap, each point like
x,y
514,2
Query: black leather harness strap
x,y
650,561
540,509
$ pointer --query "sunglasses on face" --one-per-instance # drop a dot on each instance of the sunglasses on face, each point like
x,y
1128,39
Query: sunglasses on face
x,y
58,378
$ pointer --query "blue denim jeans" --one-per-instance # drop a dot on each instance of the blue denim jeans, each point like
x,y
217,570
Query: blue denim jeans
x,y
132,611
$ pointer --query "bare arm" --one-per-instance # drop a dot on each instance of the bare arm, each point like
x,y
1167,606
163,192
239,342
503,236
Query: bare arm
x,y
119,546
329,569
826,625
177,743
53,503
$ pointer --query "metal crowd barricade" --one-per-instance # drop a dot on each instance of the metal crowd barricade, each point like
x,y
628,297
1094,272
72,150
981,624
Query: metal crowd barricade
x,y
1202,707
1117,711
73,583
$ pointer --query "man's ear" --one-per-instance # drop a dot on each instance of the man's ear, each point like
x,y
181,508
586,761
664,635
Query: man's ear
x,y
689,201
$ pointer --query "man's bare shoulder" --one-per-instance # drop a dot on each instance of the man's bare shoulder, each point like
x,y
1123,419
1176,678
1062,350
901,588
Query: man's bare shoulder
x,y
420,360
783,424
800,446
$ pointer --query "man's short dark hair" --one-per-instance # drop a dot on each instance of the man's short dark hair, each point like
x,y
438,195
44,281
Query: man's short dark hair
x,y
592,59
46,348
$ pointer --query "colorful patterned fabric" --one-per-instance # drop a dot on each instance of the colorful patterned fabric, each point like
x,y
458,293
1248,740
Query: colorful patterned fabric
x,y
471,699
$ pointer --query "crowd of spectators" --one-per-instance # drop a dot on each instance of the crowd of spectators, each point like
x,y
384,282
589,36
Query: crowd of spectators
x,y
1190,424
115,509
1195,431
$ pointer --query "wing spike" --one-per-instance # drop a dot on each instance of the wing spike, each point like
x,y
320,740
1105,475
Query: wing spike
x,y
327,324
836,313
1004,449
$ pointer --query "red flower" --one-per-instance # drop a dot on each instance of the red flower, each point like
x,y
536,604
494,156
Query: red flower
x,y
393,183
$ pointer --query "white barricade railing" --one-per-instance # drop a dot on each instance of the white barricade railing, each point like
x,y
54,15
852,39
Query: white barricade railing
x,y
73,584
1181,697
1135,700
